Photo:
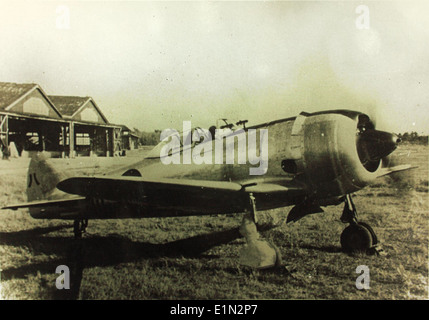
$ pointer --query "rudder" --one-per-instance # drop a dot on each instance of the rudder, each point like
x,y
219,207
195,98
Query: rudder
x,y
42,179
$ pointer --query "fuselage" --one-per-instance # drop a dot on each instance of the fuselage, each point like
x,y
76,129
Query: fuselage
x,y
317,150
327,154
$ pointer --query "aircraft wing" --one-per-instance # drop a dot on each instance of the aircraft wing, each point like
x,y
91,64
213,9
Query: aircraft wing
x,y
119,187
386,171
181,194
44,203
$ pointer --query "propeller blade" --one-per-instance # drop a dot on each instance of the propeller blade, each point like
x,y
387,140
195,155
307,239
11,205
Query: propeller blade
x,y
374,145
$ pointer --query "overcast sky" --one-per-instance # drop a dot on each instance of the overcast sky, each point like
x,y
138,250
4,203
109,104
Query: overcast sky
x,y
151,65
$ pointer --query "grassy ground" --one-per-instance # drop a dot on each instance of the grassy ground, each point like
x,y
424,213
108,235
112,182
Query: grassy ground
x,y
197,257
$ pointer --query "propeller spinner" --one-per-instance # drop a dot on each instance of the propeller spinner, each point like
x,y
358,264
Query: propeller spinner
x,y
374,145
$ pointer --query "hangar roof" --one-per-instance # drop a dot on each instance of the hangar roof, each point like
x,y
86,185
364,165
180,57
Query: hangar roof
x,y
10,92
68,105
72,106
79,109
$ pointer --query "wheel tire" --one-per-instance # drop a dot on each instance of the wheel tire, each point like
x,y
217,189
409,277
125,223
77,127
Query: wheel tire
x,y
356,238
373,235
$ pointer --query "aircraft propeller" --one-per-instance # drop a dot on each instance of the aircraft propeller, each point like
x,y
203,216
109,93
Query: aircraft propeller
x,y
373,145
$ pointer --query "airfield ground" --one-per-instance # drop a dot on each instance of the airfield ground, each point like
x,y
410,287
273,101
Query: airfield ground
x,y
197,257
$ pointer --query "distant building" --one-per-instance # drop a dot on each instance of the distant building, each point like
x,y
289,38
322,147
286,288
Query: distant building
x,y
130,140
60,126
94,135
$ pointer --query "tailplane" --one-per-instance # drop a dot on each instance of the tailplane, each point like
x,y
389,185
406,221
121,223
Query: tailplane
x,y
42,180
45,201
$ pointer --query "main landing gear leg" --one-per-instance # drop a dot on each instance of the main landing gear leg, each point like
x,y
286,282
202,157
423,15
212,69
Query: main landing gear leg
x,y
257,253
358,236
79,227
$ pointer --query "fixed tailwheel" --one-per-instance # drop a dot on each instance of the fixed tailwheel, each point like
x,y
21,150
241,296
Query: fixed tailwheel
x,y
79,227
358,237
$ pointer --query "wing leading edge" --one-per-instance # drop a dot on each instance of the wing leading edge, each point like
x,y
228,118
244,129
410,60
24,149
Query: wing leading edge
x,y
44,203
389,170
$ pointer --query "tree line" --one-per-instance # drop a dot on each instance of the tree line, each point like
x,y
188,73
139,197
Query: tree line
x,y
148,138
413,137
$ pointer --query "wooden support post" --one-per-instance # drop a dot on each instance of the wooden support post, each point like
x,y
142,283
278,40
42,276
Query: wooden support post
x,y
71,140
4,129
92,144
7,131
4,136
107,143
64,137
42,137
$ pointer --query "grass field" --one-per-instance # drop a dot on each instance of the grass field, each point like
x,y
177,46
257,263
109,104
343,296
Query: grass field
x,y
197,257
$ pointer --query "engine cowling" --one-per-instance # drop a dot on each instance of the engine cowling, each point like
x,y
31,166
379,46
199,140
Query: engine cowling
x,y
342,152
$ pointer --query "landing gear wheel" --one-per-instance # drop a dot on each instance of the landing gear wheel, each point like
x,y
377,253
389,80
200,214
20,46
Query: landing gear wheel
x,y
79,227
257,253
373,235
357,238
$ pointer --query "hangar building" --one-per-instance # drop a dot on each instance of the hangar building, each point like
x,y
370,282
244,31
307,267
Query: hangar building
x,y
60,126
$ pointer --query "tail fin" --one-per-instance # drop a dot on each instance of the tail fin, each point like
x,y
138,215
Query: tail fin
x,y
42,179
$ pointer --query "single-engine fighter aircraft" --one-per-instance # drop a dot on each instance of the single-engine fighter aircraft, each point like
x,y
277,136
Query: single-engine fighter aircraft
x,y
314,160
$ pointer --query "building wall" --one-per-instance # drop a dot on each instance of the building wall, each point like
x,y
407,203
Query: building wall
x,y
35,104
89,113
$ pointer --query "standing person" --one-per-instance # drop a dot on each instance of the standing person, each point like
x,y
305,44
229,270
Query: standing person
x,y
5,150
